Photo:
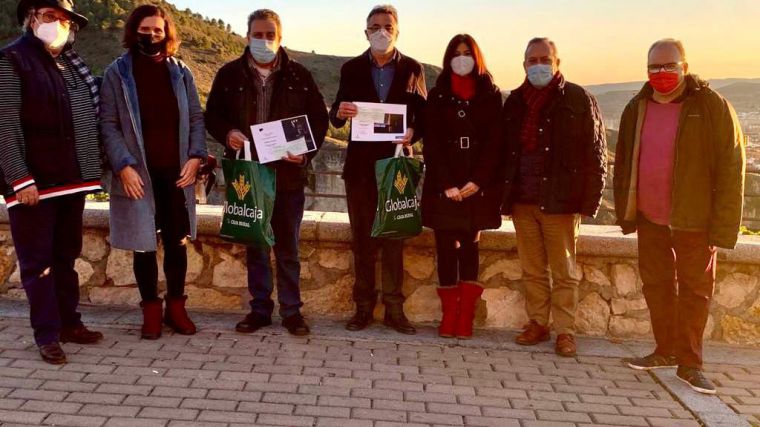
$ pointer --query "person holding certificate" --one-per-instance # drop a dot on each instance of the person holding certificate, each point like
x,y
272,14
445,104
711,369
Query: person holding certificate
x,y
151,124
381,75
262,86
463,186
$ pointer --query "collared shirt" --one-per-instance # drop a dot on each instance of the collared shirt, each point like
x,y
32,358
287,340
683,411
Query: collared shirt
x,y
264,87
383,76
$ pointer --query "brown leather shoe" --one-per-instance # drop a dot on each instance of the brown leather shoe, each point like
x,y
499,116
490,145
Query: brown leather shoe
x,y
565,345
52,353
533,334
80,335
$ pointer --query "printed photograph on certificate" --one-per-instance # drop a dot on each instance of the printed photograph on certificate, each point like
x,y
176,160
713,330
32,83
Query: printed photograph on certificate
x,y
378,122
273,140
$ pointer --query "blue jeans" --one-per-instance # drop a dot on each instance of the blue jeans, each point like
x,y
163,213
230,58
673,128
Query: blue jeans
x,y
48,240
286,224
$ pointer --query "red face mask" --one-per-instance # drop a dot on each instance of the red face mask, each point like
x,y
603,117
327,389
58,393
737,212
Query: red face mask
x,y
664,82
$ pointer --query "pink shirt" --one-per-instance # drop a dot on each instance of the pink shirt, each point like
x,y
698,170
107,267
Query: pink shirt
x,y
657,160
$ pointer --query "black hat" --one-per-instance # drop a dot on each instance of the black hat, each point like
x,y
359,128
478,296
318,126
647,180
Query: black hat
x,y
65,5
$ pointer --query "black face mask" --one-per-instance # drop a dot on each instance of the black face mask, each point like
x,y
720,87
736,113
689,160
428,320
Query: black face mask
x,y
146,45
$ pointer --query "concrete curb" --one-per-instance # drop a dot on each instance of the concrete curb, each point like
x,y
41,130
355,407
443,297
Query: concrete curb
x,y
710,410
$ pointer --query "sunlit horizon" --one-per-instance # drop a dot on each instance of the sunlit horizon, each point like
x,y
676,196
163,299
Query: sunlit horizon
x,y
599,41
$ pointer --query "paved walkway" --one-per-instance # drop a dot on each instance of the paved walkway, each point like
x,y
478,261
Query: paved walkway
x,y
375,378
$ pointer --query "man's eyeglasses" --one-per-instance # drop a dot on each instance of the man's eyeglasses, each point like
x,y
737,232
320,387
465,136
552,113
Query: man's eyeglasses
x,y
49,17
668,68
375,28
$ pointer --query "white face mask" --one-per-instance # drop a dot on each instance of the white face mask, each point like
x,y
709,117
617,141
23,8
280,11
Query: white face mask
x,y
53,34
462,64
540,75
263,51
381,41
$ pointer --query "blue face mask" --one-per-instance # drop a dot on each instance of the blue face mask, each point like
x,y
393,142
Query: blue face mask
x,y
540,75
263,51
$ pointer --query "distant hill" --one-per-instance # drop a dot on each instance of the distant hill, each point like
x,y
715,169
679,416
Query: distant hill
x,y
744,95
635,86
207,43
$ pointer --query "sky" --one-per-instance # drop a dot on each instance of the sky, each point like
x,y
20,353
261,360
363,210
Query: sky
x,y
599,41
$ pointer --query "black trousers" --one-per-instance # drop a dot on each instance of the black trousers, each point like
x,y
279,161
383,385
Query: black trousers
x,y
458,258
48,239
361,198
173,225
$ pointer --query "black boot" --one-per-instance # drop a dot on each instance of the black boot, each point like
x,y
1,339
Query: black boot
x,y
395,318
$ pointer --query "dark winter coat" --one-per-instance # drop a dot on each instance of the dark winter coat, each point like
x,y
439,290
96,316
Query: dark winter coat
x,y
572,135
356,85
463,143
232,105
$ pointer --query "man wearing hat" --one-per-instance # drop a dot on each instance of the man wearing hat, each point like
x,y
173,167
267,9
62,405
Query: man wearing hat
x,y
50,160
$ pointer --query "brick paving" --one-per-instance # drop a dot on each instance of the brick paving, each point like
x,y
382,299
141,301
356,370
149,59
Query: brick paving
x,y
739,388
334,378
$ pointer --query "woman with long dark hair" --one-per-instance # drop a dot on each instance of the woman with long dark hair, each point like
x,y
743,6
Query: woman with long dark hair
x,y
152,129
462,189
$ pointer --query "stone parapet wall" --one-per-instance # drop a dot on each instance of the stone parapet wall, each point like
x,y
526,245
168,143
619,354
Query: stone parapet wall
x,y
611,303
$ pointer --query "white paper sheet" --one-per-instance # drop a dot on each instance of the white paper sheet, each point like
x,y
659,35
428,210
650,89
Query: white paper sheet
x,y
378,122
273,140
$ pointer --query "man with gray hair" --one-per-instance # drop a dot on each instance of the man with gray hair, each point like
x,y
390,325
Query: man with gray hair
x,y
380,74
556,164
679,182
265,85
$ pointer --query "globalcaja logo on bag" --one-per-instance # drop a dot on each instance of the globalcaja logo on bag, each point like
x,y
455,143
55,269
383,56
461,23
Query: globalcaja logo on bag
x,y
400,182
402,203
242,188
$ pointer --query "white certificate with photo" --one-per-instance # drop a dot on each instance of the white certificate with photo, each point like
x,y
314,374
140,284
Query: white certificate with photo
x,y
273,140
378,122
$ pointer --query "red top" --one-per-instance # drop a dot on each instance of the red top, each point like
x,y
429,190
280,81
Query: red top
x,y
462,87
657,161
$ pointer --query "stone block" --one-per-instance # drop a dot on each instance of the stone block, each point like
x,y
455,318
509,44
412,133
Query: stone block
x,y
230,273
211,299
119,267
335,259
7,262
627,305
423,305
734,290
596,276
94,246
330,300
505,308
15,277
740,331
84,271
625,279
419,265
593,315
115,296
627,327
507,268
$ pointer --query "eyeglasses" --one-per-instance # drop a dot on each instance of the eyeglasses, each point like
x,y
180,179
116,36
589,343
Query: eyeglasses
x,y
50,17
375,28
668,68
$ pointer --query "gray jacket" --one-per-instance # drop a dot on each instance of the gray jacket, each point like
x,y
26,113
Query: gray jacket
x,y
132,222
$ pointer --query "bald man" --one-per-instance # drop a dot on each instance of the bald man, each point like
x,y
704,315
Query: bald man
x,y
679,182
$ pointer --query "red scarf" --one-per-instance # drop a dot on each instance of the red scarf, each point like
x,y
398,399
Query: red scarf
x,y
462,87
536,100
